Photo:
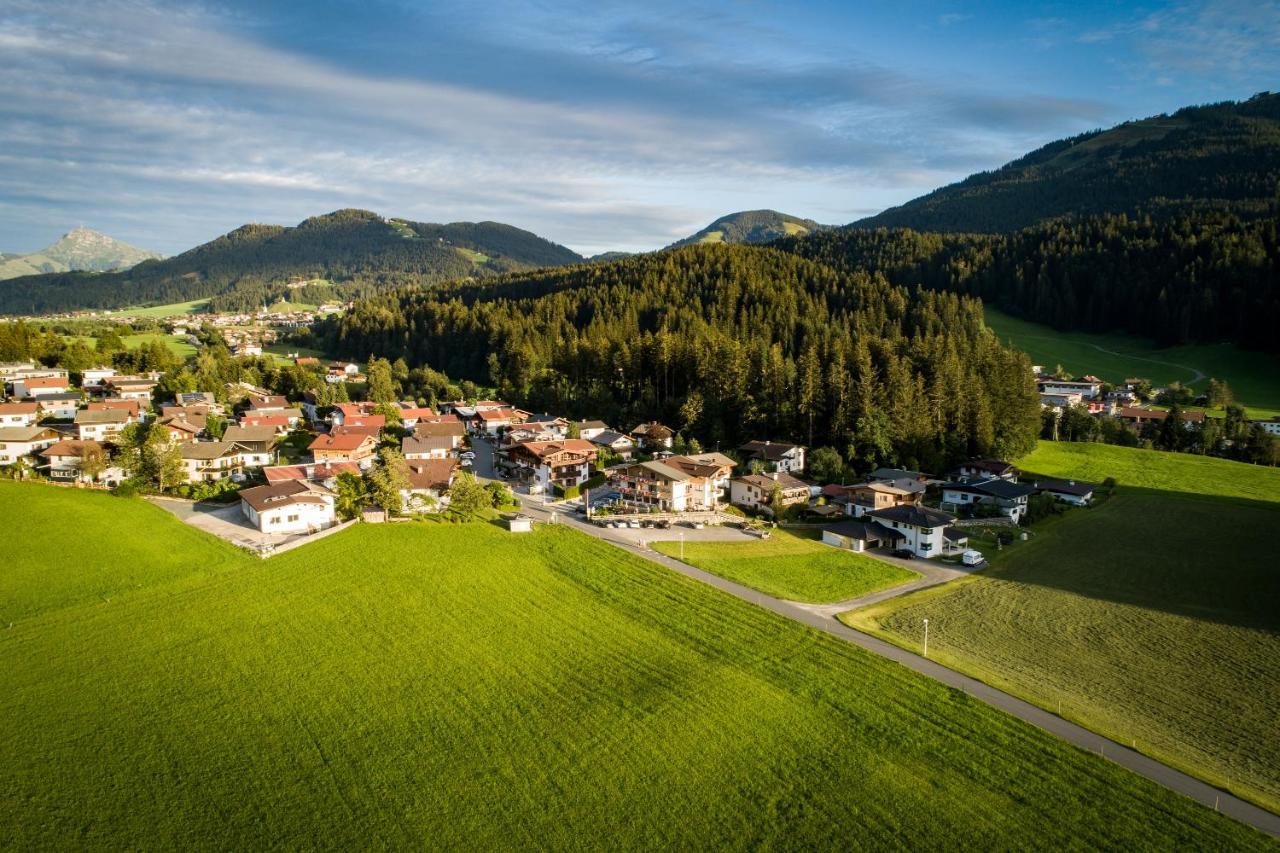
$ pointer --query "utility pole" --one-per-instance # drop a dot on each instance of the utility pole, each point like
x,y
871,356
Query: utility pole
x,y
926,638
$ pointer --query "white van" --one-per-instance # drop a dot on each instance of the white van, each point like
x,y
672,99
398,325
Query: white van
x,y
972,558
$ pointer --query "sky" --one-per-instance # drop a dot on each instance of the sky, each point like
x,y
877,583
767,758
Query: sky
x,y
599,125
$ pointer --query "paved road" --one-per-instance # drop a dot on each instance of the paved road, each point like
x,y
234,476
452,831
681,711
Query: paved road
x,y
1076,735
931,573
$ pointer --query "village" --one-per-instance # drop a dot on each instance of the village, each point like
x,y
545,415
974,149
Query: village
x,y
263,470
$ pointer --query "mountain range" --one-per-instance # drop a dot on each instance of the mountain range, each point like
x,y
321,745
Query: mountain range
x,y
78,249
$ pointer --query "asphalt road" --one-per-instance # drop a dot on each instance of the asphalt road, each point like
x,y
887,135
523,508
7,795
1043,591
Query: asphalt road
x,y
820,620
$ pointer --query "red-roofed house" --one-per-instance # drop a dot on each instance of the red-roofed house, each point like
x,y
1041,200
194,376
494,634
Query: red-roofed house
x,y
19,414
564,462
40,386
345,447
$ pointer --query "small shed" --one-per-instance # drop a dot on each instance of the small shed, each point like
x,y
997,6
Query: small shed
x,y
520,524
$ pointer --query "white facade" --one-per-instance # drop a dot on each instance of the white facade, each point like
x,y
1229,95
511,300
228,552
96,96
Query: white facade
x,y
291,517
92,378
1087,390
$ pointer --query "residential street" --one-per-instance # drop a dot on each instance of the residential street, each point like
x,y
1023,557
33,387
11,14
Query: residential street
x,y
822,617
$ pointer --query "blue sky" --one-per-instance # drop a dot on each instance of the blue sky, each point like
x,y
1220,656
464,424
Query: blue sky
x,y
598,125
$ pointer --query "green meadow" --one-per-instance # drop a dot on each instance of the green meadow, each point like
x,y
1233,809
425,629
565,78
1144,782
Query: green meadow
x,y
1151,618
417,685
177,343
791,566
1254,377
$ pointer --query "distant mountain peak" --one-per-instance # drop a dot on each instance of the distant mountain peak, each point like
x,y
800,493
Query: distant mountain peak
x,y
80,249
751,226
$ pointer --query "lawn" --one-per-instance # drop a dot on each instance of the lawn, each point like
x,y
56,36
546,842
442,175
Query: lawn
x,y
174,309
1151,618
790,566
457,687
1254,377
177,343
1155,469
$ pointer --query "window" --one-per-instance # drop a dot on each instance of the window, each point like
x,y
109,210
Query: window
x,y
293,518
275,519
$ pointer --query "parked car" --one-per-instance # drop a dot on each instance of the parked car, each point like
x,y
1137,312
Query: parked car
x,y
904,554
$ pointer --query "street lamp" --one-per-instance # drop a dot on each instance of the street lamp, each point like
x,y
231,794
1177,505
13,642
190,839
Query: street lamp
x,y
926,638
682,545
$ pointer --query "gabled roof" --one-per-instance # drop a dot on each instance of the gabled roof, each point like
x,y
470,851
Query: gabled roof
x,y
250,434
662,470
431,474
543,449
444,428
130,406
425,443
46,382
992,466
995,487
654,430
703,465
592,425
71,447
102,416
340,442
766,482
205,450
865,531
284,493
769,451
27,433
915,515
609,438
711,458
19,408
309,471
1063,487
903,486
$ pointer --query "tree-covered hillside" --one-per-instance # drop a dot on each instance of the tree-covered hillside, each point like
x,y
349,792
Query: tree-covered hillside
x,y
725,343
1223,157
1198,278
359,251
751,226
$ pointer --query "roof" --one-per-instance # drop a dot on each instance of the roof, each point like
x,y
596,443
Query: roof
x,y
914,514
711,458
309,471
766,482
46,382
653,430
444,428
283,494
273,401
71,447
609,438
994,466
425,443
341,441
864,530
431,474
67,396
273,421
996,487
954,534
895,474
901,486
208,449
663,470
102,416
355,410
177,422
543,449
19,408
592,425
250,434
130,406
495,414
769,451
1064,487
26,433
702,465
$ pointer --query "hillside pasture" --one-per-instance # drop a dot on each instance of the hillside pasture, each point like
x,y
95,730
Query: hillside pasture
x,y
1254,377
1150,618
458,687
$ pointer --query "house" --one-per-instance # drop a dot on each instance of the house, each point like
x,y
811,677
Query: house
x,y
348,447
621,445
925,531
258,443
755,491
196,415
60,406
450,429
19,414
590,429
1074,492
178,430
984,468
208,461
115,404
563,462
1059,401
430,478
18,442
653,436
657,486
247,348
38,386
898,474
493,421
1271,427
341,412
280,423
1087,389
324,473
101,424
94,377
292,506
200,398
130,387
265,404
861,535
1139,417
1009,499
777,455
427,447
882,494
411,415
716,468
63,463
374,424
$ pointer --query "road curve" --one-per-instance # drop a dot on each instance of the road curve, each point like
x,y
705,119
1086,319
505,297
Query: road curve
x,y
1162,774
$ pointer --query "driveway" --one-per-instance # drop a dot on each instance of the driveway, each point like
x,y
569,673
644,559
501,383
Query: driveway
x,y
225,521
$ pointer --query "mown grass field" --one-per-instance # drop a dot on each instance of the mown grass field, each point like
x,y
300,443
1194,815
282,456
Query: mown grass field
x,y
458,687
791,566
177,343
1151,618
173,309
1254,377
1181,473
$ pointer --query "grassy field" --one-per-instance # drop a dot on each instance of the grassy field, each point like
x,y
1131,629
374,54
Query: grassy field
x,y
1150,618
178,343
791,566
173,309
1182,473
544,691
1254,377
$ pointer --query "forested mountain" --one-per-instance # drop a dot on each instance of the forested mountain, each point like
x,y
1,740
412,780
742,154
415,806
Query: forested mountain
x,y
358,251
1197,278
751,226
1223,157
725,343
78,249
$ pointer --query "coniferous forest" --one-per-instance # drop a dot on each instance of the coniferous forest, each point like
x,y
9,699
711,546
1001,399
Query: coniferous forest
x,y
724,343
